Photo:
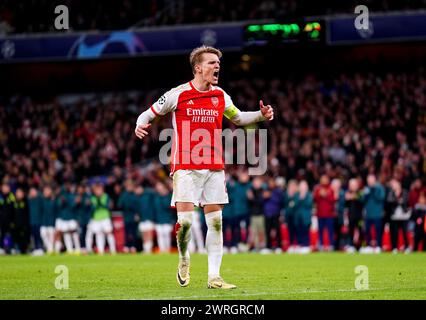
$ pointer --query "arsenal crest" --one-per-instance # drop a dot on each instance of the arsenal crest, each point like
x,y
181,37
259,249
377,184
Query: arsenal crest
x,y
215,101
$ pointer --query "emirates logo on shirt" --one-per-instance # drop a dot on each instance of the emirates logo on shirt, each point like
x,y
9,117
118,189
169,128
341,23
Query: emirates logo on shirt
x,y
215,101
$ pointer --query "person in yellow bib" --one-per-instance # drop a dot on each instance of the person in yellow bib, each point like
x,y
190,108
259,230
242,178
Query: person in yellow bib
x,y
101,224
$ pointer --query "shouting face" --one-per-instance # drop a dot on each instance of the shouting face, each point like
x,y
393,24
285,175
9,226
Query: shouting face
x,y
209,68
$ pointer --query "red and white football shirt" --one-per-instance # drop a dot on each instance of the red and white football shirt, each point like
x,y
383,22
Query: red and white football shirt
x,y
197,124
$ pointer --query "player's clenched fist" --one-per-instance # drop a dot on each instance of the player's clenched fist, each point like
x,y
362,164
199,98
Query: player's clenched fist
x,y
140,130
267,111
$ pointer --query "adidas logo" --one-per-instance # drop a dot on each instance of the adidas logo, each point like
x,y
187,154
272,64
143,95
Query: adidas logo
x,y
190,102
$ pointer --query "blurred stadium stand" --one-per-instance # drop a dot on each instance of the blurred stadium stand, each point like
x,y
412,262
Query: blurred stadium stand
x,y
34,16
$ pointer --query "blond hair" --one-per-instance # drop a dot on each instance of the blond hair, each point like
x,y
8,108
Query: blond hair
x,y
196,55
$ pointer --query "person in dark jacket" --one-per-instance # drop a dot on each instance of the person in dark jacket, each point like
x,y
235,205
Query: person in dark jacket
x,y
273,204
397,200
241,208
289,213
7,207
127,203
164,217
339,221
21,225
66,224
257,217
374,199
83,208
303,216
419,217
34,207
231,222
145,214
355,206
47,229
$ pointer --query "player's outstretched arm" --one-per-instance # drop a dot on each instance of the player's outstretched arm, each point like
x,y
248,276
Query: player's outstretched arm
x,y
167,103
243,118
143,123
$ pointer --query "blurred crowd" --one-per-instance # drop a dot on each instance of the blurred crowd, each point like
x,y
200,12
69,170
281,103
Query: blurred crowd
x,y
346,216
38,15
345,129
77,218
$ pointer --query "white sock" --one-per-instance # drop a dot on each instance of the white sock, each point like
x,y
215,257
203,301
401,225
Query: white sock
x,y
111,242
68,242
89,241
167,238
183,234
43,235
214,242
159,234
76,240
100,242
147,246
58,246
50,239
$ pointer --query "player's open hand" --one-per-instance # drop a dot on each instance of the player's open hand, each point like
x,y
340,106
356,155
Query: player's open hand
x,y
140,130
267,111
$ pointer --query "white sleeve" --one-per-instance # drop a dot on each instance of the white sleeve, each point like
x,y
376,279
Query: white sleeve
x,y
145,117
245,118
165,104
238,117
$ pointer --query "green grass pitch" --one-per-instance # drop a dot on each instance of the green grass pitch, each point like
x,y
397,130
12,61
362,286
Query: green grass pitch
x,y
284,276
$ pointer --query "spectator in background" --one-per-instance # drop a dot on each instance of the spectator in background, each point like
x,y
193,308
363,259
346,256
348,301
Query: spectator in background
x,y
21,226
7,206
231,228
289,213
325,201
83,208
47,229
242,212
66,222
145,210
273,197
127,202
415,190
354,204
397,200
374,198
339,222
419,217
34,207
257,217
303,216
101,224
164,217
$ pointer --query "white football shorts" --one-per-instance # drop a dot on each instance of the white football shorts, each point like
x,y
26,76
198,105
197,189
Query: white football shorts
x,y
66,225
104,226
145,226
200,187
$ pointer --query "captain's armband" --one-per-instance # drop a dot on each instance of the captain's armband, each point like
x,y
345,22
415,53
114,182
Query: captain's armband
x,y
231,112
